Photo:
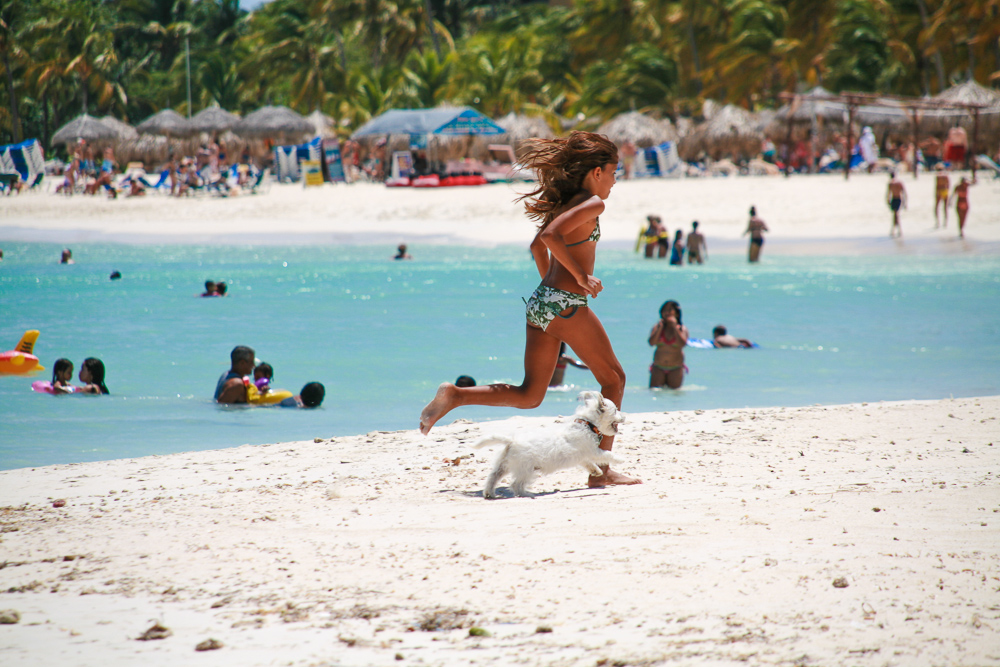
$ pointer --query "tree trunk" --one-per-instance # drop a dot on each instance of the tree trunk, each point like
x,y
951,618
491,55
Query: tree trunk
x,y
15,119
694,51
430,27
938,63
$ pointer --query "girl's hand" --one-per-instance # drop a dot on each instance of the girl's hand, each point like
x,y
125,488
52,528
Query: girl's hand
x,y
591,286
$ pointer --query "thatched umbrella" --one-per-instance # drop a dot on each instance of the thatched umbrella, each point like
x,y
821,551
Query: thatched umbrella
x,y
809,106
324,126
123,130
732,132
167,122
274,121
642,130
83,127
970,92
213,119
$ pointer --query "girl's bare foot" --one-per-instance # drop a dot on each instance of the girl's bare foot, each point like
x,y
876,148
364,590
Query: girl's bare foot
x,y
441,405
610,478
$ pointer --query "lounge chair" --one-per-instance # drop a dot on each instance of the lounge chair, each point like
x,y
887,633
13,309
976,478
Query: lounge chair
x,y
262,183
986,163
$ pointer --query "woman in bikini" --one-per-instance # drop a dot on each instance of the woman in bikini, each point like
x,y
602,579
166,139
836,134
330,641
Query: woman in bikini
x,y
941,185
961,197
575,176
669,336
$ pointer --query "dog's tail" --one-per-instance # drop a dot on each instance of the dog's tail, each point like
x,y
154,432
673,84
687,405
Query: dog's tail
x,y
488,440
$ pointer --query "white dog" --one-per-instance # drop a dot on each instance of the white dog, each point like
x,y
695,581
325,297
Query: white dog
x,y
544,453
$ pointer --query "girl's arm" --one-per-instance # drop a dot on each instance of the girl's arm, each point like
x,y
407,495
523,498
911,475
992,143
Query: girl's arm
x,y
654,335
554,238
540,253
682,333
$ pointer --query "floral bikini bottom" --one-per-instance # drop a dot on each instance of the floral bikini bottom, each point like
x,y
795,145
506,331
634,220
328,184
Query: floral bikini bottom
x,y
547,302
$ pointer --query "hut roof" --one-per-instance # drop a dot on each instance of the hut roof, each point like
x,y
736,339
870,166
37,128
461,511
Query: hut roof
x,y
213,119
731,122
642,130
970,92
519,127
273,121
324,125
810,105
83,127
166,122
121,128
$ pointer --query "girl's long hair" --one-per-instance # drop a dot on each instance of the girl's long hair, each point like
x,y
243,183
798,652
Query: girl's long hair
x,y
96,368
60,366
676,306
560,166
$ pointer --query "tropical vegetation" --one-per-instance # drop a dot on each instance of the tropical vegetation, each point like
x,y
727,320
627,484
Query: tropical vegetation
x,y
577,59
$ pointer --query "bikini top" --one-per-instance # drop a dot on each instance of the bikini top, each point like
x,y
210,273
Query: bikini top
x,y
595,235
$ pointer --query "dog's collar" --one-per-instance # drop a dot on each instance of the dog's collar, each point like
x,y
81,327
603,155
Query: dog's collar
x,y
593,428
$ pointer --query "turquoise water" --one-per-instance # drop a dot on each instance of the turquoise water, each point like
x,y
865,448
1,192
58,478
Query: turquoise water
x,y
381,335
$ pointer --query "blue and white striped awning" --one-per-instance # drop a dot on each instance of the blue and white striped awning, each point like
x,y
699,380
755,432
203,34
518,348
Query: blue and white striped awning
x,y
457,120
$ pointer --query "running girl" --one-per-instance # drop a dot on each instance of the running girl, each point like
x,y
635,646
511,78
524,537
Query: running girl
x,y
575,176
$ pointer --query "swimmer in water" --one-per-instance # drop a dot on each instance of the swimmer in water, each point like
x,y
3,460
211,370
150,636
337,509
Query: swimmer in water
x,y
669,336
92,376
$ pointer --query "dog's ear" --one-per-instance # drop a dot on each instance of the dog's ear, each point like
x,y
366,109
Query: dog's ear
x,y
589,398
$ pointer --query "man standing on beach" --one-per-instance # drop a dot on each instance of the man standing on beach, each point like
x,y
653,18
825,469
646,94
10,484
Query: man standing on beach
x,y
697,248
896,197
230,388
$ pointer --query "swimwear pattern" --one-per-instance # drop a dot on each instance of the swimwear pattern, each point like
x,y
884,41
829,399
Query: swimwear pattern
x,y
547,302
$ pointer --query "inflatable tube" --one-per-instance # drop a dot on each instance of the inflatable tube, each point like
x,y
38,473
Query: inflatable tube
x,y
254,397
20,360
45,387
705,343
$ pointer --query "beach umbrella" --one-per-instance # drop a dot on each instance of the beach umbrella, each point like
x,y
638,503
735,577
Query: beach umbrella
x,y
213,119
273,121
732,132
83,127
969,92
324,125
122,130
810,106
642,130
167,122
518,127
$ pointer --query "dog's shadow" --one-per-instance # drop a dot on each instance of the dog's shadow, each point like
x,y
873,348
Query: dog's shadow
x,y
504,493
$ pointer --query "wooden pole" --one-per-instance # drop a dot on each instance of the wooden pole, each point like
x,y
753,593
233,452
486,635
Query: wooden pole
x,y
916,139
847,157
975,141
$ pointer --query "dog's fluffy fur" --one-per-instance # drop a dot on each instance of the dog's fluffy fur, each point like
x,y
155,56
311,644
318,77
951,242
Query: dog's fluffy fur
x,y
541,453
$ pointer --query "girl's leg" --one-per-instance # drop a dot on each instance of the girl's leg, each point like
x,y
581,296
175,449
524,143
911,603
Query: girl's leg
x,y
541,351
962,213
657,378
586,335
675,378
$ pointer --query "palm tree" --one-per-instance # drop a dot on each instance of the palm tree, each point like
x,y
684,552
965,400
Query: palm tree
x,y
859,53
429,77
12,53
748,63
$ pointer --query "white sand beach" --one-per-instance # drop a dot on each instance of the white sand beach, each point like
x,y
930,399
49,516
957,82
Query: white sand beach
x,y
858,534
822,214
827,535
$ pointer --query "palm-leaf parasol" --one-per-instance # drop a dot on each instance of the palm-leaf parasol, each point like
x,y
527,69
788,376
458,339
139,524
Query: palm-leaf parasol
x,y
167,122
213,119
642,130
273,121
123,130
83,127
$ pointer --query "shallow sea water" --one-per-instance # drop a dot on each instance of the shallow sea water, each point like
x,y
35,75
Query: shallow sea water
x,y
381,335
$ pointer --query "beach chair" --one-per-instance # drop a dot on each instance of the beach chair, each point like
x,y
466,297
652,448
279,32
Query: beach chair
x,y
986,163
263,182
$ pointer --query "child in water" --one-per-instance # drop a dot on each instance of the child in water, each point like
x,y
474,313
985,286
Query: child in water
x,y
311,396
669,337
62,376
262,376
92,377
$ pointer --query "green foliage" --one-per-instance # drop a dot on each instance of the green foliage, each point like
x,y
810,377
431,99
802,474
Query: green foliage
x,y
356,58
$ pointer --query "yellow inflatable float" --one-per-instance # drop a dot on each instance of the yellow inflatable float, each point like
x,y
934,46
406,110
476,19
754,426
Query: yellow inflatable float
x,y
20,360
254,397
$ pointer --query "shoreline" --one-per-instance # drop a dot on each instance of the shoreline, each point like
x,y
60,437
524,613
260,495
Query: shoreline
x,y
354,549
810,214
